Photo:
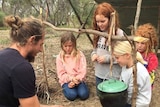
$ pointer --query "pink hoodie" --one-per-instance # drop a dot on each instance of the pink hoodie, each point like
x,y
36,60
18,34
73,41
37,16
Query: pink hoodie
x,y
70,68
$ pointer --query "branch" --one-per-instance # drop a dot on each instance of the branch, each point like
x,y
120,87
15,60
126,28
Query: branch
x,y
137,14
135,87
95,32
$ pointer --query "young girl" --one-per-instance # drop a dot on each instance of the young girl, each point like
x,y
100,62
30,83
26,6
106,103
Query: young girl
x,y
123,54
71,69
101,55
146,40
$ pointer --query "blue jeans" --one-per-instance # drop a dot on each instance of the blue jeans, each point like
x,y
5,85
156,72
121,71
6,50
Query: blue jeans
x,y
128,105
98,80
81,91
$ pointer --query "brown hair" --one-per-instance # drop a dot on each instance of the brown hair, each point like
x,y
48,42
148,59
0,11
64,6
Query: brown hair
x,y
22,29
148,31
104,9
68,36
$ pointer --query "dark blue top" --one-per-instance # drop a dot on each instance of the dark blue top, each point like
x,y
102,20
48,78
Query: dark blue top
x,y
17,78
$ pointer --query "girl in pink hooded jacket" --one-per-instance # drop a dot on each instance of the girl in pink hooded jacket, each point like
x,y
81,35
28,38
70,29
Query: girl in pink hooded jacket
x,y
71,69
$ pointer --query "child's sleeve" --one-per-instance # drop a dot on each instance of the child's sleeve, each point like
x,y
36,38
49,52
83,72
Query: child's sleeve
x,y
81,67
61,72
152,63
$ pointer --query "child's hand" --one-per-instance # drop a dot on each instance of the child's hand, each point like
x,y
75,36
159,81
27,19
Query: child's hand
x,y
101,59
71,84
94,57
76,81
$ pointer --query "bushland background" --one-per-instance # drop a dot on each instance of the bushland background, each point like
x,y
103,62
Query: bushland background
x,y
62,14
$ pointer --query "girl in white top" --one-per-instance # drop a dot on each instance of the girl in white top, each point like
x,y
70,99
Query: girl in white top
x,y
123,54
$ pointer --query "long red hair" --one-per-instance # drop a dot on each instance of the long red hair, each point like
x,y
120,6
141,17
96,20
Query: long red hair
x,y
104,9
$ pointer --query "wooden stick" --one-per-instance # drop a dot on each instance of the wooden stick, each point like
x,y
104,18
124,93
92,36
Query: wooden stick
x,y
135,87
104,34
137,14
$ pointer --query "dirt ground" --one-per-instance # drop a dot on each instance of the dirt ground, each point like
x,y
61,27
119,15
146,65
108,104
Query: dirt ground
x,y
47,66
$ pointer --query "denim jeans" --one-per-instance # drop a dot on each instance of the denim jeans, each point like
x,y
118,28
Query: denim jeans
x,y
128,105
81,91
98,80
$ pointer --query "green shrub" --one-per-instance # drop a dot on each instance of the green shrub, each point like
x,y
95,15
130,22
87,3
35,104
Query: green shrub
x,y
2,15
4,41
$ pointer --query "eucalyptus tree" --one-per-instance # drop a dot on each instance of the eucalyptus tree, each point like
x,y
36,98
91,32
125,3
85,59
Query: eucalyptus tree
x,y
84,9
17,7
58,12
